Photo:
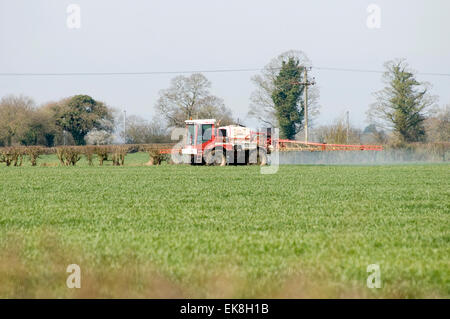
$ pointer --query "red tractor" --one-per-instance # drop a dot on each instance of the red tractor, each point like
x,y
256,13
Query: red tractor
x,y
208,143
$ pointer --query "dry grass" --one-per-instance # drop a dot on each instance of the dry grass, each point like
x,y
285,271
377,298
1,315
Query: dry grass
x,y
43,275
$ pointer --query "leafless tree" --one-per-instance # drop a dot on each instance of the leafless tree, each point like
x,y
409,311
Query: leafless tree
x,y
140,131
336,133
437,125
15,117
189,97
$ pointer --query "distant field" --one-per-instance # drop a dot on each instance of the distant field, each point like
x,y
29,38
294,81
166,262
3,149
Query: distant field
x,y
182,231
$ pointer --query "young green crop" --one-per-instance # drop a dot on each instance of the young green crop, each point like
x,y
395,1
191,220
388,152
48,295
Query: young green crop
x,y
307,231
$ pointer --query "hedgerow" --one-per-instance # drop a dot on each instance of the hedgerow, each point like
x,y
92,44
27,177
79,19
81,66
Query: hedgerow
x,y
71,155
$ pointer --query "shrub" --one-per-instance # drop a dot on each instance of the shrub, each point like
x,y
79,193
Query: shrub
x,y
68,155
12,155
33,153
155,156
118,155
89,152
102,153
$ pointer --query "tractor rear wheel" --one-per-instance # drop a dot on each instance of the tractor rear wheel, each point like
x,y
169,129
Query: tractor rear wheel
x,y
216,157
258,157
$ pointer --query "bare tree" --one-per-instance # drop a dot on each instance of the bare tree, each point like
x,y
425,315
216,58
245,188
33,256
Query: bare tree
x,y
373,135
189,97
140,131
437,125
338,133
214,108
262,106
15,117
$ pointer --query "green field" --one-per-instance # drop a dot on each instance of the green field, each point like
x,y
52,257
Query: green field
x,y
182,231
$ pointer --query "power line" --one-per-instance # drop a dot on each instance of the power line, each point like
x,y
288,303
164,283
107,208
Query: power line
x,y
129,73
348,70
144,73
373,71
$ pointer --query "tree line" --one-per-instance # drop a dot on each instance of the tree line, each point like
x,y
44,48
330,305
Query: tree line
x,y
22,122
404,111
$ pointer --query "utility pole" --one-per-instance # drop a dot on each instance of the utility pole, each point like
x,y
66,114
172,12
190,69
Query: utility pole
x,y
306,83
348,125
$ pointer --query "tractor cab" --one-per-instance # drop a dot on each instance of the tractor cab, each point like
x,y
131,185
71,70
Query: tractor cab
x,y
199,135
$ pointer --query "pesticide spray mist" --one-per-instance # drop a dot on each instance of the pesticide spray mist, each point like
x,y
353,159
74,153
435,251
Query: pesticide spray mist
x,y
390,156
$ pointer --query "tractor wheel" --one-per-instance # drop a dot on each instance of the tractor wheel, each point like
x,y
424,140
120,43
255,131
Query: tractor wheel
x,y
216,158
260,155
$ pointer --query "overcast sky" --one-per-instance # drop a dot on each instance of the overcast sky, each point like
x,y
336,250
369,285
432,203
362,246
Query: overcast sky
x,y
169,35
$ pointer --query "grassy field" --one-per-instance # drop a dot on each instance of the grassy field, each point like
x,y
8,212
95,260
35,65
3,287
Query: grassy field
x,y
182,231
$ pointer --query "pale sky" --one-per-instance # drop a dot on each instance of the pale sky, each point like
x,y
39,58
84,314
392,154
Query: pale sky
x,y
169,35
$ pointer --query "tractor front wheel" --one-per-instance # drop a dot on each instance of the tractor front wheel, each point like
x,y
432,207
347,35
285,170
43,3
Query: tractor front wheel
x,y
216,157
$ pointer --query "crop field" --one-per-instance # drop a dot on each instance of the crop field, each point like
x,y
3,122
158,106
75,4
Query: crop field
x,y
182,231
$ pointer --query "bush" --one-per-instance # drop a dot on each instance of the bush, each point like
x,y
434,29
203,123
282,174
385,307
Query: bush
x,y
12,155
155,156
89,152
33,153
118,155
68,155
102,153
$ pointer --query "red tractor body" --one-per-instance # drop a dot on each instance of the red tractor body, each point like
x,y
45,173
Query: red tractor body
x,y
208,143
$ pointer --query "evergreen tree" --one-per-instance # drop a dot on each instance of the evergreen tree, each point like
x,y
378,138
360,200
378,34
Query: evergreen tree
x,y
286,96
80,114
401,103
